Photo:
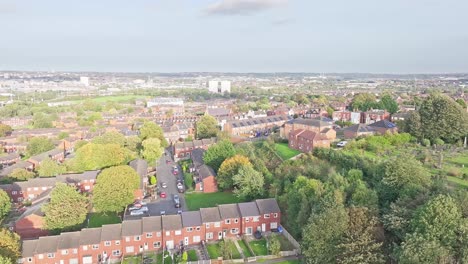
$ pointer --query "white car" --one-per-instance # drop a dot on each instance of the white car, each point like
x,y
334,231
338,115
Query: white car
x,y
342,144
137,212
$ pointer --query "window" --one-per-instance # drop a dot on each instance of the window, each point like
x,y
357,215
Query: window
x,y
107,243
50,255
29,259
168,233
207,225
87,187
116,253
41,256
20,199
234,231
209,235
29,189
198,228
137,238
148,235
236,220
189,229
85,247
14,192
158,234
196,239
266,216
217,224
178,232
129,249
95,246
36,189
275,215
157,244
64,252
20,192
256,219
127,239
227,221
117,242
75,251
247,219
44,188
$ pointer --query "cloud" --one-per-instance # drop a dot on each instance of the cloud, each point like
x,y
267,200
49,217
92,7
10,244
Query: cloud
x,y
7,8
242,7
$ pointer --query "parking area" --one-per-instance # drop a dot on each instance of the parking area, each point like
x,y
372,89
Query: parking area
x,y
164,173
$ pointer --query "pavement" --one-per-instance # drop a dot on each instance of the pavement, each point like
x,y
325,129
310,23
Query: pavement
x,y
164,173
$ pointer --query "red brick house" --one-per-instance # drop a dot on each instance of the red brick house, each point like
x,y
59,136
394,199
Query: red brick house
x,y
373,116
306,141
205,179
212,221
9,159
358,131
57,155
183,150
384,126
111,242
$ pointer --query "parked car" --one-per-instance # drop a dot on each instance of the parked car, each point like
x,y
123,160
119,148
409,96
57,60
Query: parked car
x,y
168,161
180,187
140,202
179,212
138,212
175,171
341,144
134,207
164,185
163,212
162,194
176,200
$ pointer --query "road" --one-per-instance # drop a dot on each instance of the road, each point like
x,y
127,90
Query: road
x,y
164,174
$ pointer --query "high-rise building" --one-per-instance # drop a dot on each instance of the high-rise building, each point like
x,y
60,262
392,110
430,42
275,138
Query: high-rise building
x,y
219,86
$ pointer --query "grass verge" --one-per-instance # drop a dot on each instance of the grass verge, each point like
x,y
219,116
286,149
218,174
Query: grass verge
x,y
196,201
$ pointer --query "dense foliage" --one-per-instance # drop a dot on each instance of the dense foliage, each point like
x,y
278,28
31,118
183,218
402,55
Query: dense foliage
x,y
206,127
5,204
5,130
9,244
66,209
152,130
217,153
38,145
97,156
50,168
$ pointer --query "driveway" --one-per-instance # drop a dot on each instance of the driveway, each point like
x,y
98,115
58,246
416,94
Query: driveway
x,y
164,174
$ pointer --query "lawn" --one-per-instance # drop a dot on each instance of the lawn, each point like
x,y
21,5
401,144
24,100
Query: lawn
x,y
285,152
195,201
259,247
132,260
296,261
100,219
235,252
245,249
192,255
188,178
459,182
213,251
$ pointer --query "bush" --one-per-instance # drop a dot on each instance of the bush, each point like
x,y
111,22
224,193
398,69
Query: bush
x,y
454,172
153,180
426,142
438,142
274,245
465,176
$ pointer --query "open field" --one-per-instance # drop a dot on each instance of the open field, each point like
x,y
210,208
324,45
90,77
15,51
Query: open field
x,y
196,201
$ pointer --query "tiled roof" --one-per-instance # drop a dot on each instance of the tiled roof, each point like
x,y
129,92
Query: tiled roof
x,y
248,209
267,206
229,211
171,222
90,236
131,228
111,232
209,215
192,218
151,224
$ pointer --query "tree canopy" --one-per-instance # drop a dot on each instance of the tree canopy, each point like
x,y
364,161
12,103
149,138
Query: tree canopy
x,y
38,145
152,149
115,188
5,204
152,130
9,244
66,209
364,101
206,127
5,130
248,183
387,103
19,174
217,153
97,156
50,168
228,169
111,137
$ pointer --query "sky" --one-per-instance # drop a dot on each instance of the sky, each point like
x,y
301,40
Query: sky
x,y
366,36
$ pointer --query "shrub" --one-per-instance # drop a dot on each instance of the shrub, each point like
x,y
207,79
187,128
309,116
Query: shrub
x,y
426,142
438,142
454,172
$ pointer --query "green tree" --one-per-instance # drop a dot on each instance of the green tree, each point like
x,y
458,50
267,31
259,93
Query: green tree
x,y
38,145
21,174
359,244
323,234
50,168
66,209
153,180
217,153
228,169
418,250
364,101
152,130
62,135
111,137
97,156
443,118
152,149
330,111
206,127
9,244
389,104
115,188
41,120
6,260
248,183
5,130
133,143
5,204
413,125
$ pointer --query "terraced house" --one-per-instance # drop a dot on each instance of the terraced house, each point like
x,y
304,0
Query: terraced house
x,y
111,242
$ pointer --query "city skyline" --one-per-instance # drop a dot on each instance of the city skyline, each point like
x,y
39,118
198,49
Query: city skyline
x,y
235,36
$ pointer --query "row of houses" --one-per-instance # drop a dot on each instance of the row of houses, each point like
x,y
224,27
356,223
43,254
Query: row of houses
x,y
247,127
183,150
110,242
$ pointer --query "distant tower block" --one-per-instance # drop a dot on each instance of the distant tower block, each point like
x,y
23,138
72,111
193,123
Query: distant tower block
x,y
219,87
84,80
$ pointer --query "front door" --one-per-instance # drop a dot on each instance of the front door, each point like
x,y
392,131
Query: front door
x,y
146,246
224,232
263,227
186,241
220,235
170,244
248,230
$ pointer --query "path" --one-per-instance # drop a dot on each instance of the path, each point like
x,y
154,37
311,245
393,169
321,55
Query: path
x,y
277,260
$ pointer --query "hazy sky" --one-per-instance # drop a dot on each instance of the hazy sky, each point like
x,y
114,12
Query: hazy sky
x,y
392,36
